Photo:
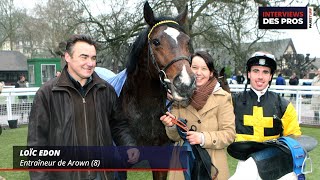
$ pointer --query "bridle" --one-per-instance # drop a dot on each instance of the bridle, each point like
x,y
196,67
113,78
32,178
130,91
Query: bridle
x,y
162,72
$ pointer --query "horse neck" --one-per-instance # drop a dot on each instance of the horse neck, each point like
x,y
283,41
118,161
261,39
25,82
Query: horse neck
x,y
144,83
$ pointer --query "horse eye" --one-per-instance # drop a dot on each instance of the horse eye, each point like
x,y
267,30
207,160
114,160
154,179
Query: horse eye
x,y
156,42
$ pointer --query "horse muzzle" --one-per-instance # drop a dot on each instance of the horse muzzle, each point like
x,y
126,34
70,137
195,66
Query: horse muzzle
x,y
182,87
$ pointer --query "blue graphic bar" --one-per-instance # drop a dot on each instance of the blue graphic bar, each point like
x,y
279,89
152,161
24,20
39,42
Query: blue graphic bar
x,y
99,157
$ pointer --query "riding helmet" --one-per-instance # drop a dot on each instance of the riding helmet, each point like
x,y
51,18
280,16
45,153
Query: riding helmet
x,y
262,59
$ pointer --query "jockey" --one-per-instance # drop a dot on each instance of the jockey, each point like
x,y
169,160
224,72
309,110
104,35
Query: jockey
x,y
263,115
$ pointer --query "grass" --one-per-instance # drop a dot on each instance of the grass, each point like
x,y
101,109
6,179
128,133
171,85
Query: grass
x,y
18,137
8,139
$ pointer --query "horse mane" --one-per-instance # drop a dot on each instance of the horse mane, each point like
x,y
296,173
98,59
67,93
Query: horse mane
x,y
141,42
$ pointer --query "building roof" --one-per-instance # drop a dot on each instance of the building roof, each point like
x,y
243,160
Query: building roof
x,y
13,61
277,47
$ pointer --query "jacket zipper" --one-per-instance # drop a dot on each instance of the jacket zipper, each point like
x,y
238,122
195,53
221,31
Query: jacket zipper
x,y
86,127
85,120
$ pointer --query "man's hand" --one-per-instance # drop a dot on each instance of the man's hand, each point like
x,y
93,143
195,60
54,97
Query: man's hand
x,y
133,155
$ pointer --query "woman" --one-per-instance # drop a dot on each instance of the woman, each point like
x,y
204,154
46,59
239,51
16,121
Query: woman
x,y
210,111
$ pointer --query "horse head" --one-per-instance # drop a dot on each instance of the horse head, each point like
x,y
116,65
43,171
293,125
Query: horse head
x,y
168,48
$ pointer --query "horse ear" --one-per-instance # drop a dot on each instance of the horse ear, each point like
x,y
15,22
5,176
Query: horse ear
x,y
222,72
182,17
148,14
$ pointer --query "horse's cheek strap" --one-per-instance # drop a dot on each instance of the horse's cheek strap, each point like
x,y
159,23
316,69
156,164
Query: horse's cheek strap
x,y
176,60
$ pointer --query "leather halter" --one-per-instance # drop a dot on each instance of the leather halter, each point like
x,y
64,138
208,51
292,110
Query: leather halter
x,y
162,72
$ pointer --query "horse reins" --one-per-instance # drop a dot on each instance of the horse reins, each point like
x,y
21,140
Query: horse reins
x,y
162,72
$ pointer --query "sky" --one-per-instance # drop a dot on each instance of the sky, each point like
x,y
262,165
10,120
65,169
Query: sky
x,y
305,41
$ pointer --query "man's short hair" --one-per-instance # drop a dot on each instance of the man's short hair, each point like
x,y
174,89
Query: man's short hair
x,y
76,38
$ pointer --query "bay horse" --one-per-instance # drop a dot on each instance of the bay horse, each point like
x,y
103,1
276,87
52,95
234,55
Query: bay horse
x,y
158,62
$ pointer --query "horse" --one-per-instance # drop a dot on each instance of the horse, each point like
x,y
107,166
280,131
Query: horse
x,y
158,62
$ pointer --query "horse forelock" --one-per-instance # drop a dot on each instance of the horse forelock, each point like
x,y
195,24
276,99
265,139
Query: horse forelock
x,y
140,43
179,27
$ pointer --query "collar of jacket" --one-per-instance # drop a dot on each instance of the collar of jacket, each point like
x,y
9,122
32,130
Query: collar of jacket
x,y
210,104
64,81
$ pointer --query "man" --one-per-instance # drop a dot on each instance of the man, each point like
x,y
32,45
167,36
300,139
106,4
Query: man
x,y
240,78
78,109
293,81
316,98
22,83
280,81
58,73
262,115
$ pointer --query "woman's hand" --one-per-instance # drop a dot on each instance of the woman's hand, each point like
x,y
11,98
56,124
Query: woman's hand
x,y
167,119
194,137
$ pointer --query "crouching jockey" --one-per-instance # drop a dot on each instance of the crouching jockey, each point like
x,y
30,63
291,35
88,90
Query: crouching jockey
x,y
262,115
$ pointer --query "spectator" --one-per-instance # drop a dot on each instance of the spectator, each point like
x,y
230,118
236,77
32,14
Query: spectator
x,y
78,109
280,81
58,73
315,101
240,78
233,79
22,83
294,81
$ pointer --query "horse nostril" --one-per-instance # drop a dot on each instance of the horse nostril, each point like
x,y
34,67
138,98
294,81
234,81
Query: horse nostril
x,y
184,89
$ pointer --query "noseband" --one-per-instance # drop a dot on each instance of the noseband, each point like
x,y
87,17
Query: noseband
x,y
162,72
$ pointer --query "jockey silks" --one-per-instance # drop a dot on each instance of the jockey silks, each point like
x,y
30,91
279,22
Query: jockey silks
x,y
268,119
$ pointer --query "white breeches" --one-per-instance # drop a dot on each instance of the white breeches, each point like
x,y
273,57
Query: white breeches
x,y
248,170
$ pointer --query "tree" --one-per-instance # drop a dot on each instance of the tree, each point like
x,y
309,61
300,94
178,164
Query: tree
x,y
10,20
220,26
114,29
316,9
298,63
55,21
